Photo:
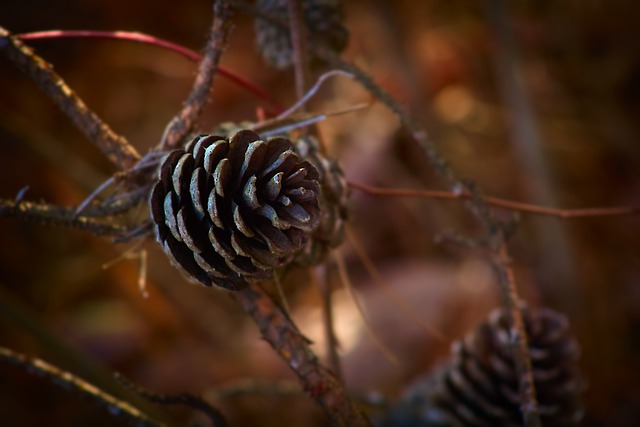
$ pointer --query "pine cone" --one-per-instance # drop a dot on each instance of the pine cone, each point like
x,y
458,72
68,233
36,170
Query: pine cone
x,y
323,19
229,211
479,387
334,196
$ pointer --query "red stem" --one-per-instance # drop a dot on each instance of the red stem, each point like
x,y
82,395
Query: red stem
x,y
498,202
154,41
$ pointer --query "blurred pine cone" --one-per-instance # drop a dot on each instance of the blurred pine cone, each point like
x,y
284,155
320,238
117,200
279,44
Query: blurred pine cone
x,y
323,19
228,211
334,196
479,386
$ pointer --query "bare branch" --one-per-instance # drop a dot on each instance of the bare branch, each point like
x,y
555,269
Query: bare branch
x,y
499,202
180,126
45,213
317,381
115,147
67,380
183,399
323,281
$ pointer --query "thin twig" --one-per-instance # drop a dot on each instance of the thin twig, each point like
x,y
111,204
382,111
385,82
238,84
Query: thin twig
x,y
322,277
183,399
153,41
317,381
45,213
386,287
67,380
185,120
115,147
117,204
140,172
302,100
499,202
346,283
281,126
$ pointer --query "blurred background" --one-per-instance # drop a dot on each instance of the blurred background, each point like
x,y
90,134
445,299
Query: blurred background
x,y
537,102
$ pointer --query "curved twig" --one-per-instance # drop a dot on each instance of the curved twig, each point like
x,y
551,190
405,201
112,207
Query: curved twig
x,y
184,399
153,41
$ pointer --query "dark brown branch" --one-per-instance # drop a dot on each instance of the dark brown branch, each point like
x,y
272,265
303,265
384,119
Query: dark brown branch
x,y
183,399
115,147
317,381
477,205
67,380
498,202
45,213
184,122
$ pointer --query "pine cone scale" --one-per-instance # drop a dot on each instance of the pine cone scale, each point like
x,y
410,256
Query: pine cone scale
x,y
239,221
273,187
181,177
214,152
170,218
250,193
253,159
198,190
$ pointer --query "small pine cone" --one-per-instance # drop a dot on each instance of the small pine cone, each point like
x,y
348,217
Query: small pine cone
x,y
323,19
229,211
334,196
480,387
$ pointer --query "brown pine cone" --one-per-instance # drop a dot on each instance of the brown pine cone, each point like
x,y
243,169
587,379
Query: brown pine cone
x,y
479,387
228,211
334,197
323,19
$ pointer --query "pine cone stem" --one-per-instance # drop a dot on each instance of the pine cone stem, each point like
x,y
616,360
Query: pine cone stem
x,y
318,382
